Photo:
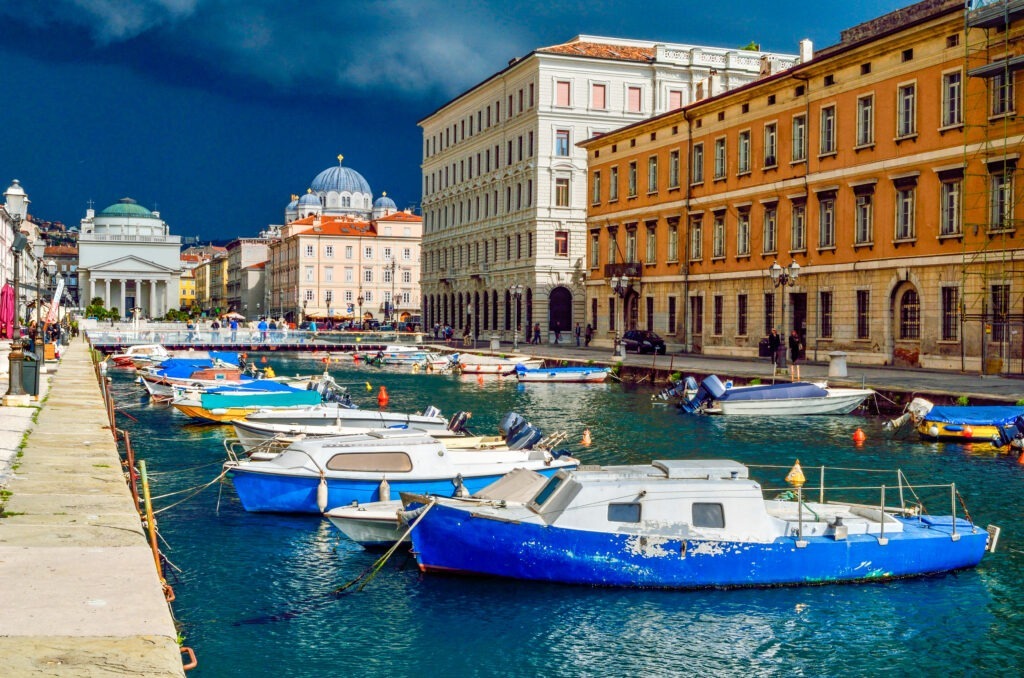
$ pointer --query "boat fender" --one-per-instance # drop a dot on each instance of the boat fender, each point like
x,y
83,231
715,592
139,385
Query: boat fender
x,y
460,487
933,431
968,432
384,490
219,411
407,517
321,494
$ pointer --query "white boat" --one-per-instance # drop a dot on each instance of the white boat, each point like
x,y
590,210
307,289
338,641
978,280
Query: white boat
x,y
564,375
140,355
331,415
784,399
473,363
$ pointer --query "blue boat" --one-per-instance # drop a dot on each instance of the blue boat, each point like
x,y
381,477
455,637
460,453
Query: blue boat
x,y
555,375
685,524
313,476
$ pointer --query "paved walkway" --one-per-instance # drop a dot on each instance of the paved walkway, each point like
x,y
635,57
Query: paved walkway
x,y
79,591
881,378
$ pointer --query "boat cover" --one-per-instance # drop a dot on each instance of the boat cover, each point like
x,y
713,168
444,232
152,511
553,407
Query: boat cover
x,y
975,415
268,385
182,368
212,401
775,392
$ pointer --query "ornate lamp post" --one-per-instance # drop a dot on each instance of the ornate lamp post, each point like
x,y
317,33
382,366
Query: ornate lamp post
x,y
516,290
469,321
360,300
784,277
390,306
620,286
51,269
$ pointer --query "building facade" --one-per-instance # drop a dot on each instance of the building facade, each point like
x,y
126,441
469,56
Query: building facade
x,y
245,284
877,180
504,184
129,259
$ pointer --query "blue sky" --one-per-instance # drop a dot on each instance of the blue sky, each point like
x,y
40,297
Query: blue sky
x,y
214,111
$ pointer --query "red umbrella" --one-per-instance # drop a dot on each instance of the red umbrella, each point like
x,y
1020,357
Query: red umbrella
x,y
7,311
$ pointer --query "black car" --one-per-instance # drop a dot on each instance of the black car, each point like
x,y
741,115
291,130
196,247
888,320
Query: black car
x,y
643,341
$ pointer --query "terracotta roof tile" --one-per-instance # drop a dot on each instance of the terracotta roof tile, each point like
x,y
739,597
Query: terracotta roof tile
x,y
602,51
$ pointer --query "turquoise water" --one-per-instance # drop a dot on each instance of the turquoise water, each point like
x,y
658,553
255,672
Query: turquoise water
x,y
255,591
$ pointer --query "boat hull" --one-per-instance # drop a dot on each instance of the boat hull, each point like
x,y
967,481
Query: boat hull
x,y
265,492
557,375
839,402
372,527
455,540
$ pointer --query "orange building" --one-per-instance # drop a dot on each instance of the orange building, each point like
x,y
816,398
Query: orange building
x,y
877,179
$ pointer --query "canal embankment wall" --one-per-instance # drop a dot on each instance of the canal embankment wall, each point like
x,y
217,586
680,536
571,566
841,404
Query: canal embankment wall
x,y
80,593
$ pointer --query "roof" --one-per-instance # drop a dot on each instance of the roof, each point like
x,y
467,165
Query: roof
x,y
406,217
602,51
258,265
335,226
61,251
126,207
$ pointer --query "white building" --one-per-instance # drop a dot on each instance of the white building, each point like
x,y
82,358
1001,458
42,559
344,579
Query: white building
x,y
504,185
128,258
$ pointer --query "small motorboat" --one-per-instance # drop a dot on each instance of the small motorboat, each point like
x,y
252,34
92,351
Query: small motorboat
x,y
197,373
140,355
312,476
999,425
563,375
228,403
788,398
472,363
686,524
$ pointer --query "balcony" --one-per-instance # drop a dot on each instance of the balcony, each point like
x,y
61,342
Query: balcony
x,y
632,269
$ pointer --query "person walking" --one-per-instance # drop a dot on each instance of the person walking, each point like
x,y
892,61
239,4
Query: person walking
x,y
777,350
796,347
576,332
536,333
234,329
558,332
588,335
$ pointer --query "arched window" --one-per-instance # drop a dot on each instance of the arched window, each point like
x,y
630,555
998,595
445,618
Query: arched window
x,y
910,315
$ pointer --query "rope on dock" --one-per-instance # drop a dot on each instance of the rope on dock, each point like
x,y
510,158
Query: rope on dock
x,y
194,491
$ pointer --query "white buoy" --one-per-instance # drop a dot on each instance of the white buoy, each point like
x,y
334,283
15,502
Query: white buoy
x,y
384,490
321,495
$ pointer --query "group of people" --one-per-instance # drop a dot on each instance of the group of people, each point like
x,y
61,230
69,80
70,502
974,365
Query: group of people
x,y
778,352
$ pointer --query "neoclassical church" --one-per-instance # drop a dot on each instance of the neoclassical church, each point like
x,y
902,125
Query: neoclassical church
x,y
128,258
339,191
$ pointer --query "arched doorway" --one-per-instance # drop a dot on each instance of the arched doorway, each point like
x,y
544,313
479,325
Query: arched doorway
x,y
905,314
631,317
560,309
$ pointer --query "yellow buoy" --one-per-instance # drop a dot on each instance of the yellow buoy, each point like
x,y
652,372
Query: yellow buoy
x,y
795,477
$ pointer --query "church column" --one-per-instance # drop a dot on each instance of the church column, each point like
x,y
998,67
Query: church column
x,y
124,293
92,290
106,295
154,310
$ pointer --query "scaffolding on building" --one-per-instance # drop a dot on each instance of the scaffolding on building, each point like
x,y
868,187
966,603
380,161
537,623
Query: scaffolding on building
x,y
991,271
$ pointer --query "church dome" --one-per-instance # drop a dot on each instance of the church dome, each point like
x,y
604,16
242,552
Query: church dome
x,y
309,200
340,179
126,207
384,202
294,203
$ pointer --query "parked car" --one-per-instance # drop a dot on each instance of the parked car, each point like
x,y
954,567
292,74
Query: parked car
x,y
643,341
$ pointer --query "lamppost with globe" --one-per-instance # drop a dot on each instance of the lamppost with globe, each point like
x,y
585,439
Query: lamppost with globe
x,y
516,290
16,206
360,301
620,286
51,269
783,277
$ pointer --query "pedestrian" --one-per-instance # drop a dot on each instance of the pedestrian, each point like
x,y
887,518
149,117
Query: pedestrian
x,y
262,327
588,335
536,333
796,347
191,331
558,332
437,331
777,350
576,332
233,325
215,331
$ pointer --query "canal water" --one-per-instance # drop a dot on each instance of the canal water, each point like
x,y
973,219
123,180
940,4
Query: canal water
x,y
255,592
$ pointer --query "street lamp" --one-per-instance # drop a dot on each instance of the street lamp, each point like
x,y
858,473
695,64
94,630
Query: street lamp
x,y
620,286
784,277
360,300
469,322
516,290
16,356
390,306
51,269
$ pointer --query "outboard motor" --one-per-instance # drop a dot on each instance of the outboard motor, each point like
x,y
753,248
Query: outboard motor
x,y
525,438
432,412
1012,435
510,423
710,389
457,423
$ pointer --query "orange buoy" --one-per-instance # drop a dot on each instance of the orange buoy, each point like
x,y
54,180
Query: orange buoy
x,y
968,432
355,357
480,379
859,437
1020,459
586,437
263,360
382,397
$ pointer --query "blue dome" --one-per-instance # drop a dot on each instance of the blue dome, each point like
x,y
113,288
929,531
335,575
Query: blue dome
x,y
293,204
309,199
384,202
340,179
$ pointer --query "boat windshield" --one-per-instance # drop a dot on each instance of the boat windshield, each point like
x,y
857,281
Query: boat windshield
x,y
546,491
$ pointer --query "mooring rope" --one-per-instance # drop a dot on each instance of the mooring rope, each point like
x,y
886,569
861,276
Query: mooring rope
x,y
198,489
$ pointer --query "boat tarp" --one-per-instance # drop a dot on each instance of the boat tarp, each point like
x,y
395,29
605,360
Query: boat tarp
x,y
775,392
975,415
212,401
255,385
182,368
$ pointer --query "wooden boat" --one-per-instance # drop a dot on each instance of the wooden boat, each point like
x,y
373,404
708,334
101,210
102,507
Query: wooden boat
x,y
472,363
555,375
784,399
999,425
140,355
688,524
312,476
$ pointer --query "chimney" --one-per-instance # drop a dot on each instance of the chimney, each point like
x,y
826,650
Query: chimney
x,y
806,50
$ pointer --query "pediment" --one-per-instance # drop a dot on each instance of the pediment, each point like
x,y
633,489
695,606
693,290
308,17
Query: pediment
x,y
131,264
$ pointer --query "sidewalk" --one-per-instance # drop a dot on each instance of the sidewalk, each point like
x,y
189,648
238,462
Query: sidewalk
x,y
79,589
881,378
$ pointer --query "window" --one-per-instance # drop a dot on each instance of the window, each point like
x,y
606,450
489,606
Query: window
x,y
631,243
673,240
624,513
595,250
906,111
368,275
329,251
633,103
827,141
718,237
863,314
406,276
598,97
770,227
1001,199
866,120
673,169
743,152
950,313
309,274
1000,312
905,212
613,184
910,315
328,274
697,314
562,192
562,142
1001,87
696,238
825,311
862,216
652,174
799,150
771,135
368,296
328,296
348,295
720,158
698,163
798,228
741,315
561,243
387,275
671,315
309,295
950,222
826,220
611,314
769,312
309,251
595,196
631,180
387,254
708,515
349,274
613,248
652,244
952,99
368,253
716,313
675,99
406,254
